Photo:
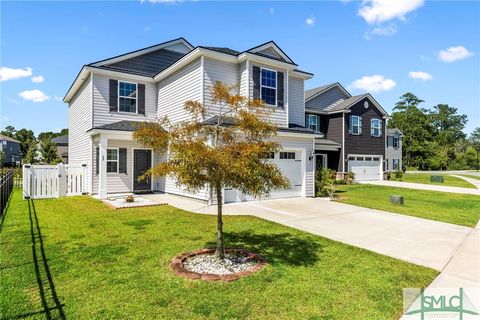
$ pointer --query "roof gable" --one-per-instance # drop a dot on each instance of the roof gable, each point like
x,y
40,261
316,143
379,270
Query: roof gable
x,y
312,93
271,50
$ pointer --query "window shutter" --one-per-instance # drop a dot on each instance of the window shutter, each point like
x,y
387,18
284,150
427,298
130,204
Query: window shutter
x,y
122,160
350,126
97,158
256,82
372,127
280,94
141,99
381,128
113,95
360,125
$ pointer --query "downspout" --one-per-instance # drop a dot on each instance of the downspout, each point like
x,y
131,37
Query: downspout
x,y
287,105
90,167
247,67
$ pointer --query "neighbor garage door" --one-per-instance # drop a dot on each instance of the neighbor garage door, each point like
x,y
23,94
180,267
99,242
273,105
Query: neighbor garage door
x,y
290,164
365,167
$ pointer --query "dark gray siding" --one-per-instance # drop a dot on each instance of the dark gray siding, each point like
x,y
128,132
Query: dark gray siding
x,y
149,64
11,152
334,133
364,143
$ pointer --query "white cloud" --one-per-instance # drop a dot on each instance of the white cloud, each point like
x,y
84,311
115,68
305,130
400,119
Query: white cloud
x,y
272,10
11,73
384,31
453,54
37,79
310,21
58,98
374,83
34,95
147,28
377,11
420,75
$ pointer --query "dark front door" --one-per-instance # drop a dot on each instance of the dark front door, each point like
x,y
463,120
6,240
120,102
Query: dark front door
x,y
142,161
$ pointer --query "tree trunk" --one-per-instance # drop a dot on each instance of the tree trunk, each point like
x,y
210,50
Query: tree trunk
x,y
220,253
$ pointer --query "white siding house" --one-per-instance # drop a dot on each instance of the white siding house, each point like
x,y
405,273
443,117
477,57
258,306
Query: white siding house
x,y
111,97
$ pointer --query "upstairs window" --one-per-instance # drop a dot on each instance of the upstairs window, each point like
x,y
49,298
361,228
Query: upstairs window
x,y
127,97
355,125
268,86
376,128
313,122
396,142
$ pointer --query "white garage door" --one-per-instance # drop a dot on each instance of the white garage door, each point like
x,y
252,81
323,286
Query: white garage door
x,y
290,164
365,167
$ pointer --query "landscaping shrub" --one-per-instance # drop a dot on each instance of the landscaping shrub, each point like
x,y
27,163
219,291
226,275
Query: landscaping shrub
x,y
396,175
325,183
349,177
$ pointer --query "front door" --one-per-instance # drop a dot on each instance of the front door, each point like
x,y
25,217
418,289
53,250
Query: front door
x,y
142,161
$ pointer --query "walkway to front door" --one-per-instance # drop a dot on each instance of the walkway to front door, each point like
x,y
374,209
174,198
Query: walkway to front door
x,y
142,161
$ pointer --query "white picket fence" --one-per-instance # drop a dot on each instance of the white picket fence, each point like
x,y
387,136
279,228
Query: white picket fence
x,y
53,181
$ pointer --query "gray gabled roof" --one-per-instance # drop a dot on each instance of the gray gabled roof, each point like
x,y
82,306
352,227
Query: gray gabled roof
x,y
6,138
312,92
392,131
148,64
224,50
344,104
123,125
61,139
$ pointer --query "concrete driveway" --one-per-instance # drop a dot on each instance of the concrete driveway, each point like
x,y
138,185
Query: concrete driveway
x,y
420,241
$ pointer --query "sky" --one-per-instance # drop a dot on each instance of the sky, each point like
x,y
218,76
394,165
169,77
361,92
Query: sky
x,y
383,47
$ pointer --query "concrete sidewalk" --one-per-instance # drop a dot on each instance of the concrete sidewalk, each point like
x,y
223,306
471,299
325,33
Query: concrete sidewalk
x,y
420,186
424,242
475,182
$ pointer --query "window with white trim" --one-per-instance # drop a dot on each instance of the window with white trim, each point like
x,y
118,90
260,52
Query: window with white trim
x,y
268,86
313,122
112,160
396,142
127,97
376,128
287,155
355,125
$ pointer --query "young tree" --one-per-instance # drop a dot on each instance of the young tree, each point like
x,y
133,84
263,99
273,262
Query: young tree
x,y
26,138
9,131
229,149
48,151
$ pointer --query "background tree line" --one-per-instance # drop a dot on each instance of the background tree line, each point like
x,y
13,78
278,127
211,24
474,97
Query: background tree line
x,y
433,139
39,149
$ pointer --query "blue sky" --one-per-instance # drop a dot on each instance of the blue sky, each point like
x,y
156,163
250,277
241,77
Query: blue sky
x,y
386,47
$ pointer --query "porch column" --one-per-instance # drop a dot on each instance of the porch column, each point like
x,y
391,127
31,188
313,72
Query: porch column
x,y
102,167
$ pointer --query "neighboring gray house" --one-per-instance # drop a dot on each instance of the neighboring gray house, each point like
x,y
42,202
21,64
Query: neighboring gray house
x,y
12,156
394,150
109,97
62,147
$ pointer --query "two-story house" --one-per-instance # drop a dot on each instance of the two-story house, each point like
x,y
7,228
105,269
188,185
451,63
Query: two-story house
x,y
110,97
394,150
11,153
355,129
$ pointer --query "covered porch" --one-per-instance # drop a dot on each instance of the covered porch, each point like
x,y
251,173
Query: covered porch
x,y
328,155
118,162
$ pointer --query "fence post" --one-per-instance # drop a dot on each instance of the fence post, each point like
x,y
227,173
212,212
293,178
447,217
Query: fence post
x,y
62,180
26,181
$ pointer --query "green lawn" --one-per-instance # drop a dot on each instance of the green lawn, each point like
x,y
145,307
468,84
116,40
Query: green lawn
x,y
448,180
441,206
88,261
471,176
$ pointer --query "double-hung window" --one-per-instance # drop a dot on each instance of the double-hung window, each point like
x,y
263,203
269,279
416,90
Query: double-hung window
x,y
376,128
355,125
313,122
112,160
268,86
396,142
395,164
127,97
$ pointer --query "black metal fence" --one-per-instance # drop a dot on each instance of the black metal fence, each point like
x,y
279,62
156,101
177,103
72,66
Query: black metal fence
x,y
7,182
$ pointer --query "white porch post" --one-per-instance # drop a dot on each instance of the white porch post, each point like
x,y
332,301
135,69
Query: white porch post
x,y
102,167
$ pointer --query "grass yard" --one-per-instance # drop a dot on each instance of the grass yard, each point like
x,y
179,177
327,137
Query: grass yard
x,y
76,258
471,176
440,206
448,180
